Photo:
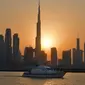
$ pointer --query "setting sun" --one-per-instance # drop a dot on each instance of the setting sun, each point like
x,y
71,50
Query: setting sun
x,y
46,43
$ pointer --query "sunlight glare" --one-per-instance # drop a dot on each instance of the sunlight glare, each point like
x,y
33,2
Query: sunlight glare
x,y
46,43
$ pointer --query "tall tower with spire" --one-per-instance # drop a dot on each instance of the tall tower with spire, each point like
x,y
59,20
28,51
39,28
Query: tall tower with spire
x,y
38,34
78,42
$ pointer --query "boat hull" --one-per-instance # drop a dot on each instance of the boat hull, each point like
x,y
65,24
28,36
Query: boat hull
x,y
57,75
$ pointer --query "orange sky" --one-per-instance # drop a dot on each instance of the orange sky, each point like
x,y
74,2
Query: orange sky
x,y
60,19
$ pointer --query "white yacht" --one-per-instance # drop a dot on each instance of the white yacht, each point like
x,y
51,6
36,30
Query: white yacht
x,y
44,72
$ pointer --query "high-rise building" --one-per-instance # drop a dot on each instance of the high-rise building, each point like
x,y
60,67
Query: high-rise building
x,y
66,56
54,57
77,55
16,56
8,48
42,58
84,53
74,56
28,55
38,37
78,44
60,62
2,52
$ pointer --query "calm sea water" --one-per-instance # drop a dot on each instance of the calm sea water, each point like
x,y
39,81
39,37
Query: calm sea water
x,y
14,78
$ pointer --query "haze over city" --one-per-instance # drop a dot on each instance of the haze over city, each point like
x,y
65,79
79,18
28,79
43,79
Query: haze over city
x,y
62,21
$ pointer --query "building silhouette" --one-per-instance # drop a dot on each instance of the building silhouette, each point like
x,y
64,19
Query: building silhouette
x,y
78,44
8,48
2,53
28,55
60,63
74,56
38,36
16,52
77,55
42,58
66,58
84,53
54,57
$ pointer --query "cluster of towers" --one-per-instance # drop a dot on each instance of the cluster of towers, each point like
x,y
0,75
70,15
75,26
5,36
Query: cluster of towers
x,y
40,55
78,58
9,54
73,59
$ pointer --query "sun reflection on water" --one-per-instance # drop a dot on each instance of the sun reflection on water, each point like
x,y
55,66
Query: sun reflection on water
x,y
49,82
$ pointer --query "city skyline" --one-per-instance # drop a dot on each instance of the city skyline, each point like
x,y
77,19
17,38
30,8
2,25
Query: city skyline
x,y
10,56
60,29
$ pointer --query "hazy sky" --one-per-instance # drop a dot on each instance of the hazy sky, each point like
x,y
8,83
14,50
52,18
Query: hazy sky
x,y
62,20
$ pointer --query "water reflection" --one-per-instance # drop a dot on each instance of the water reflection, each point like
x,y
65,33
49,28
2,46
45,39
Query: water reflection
x,y
32,81
49,82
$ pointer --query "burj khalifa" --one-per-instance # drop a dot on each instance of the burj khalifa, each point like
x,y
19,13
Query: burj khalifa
x,y
38,34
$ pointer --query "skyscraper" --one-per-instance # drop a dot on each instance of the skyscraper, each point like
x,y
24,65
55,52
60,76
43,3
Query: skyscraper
x,y
84,53
16,47
74,56
28,55
77,55
42,58
54,57
2,52
66,58
78,44
8,47
38,37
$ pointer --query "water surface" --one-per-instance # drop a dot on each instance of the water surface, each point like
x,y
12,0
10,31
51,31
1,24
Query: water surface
x,y
14,78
